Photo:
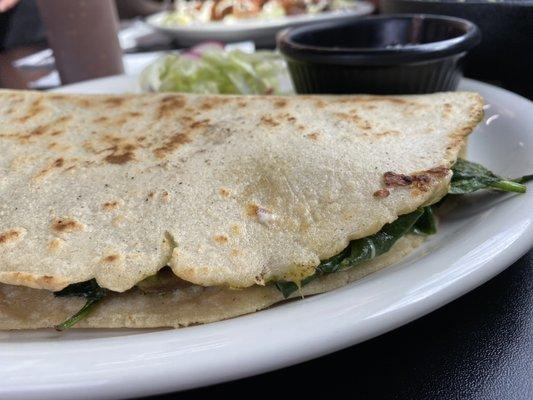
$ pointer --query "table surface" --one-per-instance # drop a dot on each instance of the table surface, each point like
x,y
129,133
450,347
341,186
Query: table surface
x,y
477,347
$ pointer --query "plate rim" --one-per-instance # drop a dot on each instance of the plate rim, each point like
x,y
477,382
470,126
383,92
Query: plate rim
x,y
139,382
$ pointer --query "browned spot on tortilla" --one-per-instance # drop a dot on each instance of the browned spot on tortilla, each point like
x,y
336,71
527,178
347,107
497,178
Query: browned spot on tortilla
x,y
165,196
224,192
242,103
198,124
39,131
252,210
112,139
55,244
313,136
381,193
53,129
67,225
59,97
267,120
289,117
280,103
121,121
11,236
386,133
173,143
111,205
234,252
58,163
80,102
261,214
206,105
393,179
121,152
63,119
120,159
446,110
114,101
209,103
221,239
169,104
235,230
352,116
376,99
420,180
440,171
151,195
110,259
394,100
134,114
319,103
35,109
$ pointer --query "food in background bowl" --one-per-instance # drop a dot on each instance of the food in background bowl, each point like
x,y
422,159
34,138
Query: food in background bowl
x,y
202,11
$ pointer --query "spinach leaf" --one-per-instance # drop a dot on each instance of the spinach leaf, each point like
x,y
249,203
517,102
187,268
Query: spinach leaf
x,y
89,290
524,179
469,177
427,223
359,250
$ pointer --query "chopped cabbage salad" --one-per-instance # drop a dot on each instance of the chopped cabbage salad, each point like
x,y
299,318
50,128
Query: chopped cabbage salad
x,y
209,69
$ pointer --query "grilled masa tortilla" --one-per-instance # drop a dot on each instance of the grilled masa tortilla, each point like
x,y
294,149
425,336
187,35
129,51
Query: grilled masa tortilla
x,y
228,191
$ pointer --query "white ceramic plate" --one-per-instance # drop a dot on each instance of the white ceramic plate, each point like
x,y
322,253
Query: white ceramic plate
x,y
476,242
262,32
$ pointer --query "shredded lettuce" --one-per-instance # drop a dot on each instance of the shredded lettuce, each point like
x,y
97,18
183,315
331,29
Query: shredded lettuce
x,y
213,70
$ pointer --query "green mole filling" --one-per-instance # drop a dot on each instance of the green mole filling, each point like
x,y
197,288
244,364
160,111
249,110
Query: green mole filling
x,y
467,177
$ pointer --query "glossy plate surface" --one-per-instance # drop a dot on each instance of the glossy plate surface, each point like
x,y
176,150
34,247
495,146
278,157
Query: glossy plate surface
x,y
474,243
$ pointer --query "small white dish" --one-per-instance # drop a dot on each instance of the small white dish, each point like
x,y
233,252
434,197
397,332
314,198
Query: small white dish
x,y
474,243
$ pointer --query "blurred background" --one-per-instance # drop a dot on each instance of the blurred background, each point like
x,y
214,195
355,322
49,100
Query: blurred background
x,y
105,37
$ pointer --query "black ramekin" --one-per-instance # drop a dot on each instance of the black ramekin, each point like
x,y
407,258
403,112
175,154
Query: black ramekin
x,y
384,54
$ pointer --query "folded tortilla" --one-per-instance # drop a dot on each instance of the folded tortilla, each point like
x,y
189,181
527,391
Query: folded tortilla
x,y
228,191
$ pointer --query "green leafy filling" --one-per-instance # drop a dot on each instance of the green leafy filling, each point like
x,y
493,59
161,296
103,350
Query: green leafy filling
x,y
467,177
359,251
91,291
